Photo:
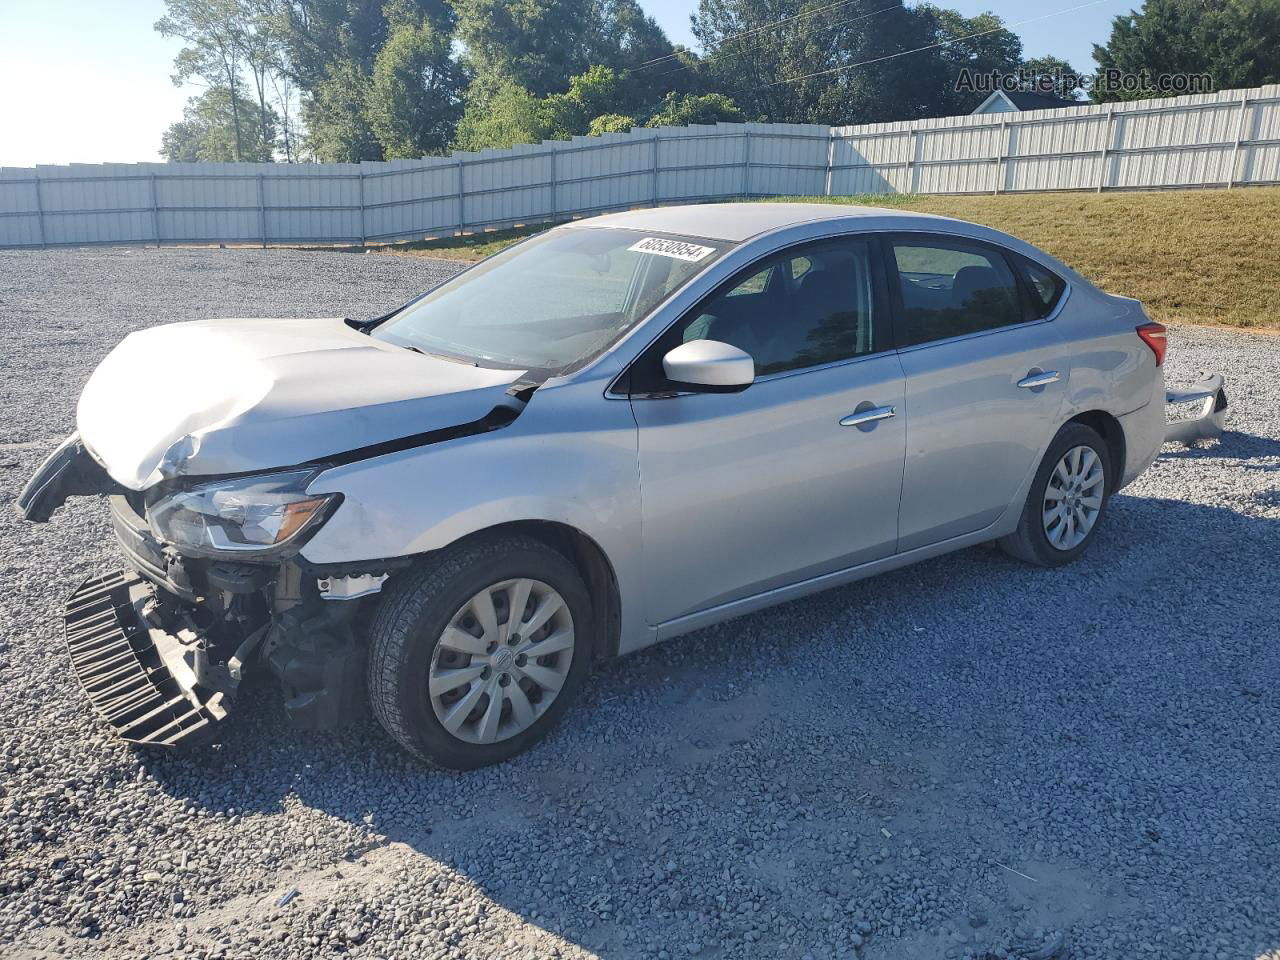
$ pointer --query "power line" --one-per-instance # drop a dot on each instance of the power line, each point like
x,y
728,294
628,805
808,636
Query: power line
x,y
768,26
931,46
720,52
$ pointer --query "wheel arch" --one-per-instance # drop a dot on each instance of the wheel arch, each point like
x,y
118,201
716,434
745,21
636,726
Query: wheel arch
x,y
1108,427
592,564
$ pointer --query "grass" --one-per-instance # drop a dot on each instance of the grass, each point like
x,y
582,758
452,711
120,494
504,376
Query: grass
x,y
469,247
1207,257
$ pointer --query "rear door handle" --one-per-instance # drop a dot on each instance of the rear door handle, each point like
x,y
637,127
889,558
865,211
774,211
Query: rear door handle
x,y
1039,379
860,417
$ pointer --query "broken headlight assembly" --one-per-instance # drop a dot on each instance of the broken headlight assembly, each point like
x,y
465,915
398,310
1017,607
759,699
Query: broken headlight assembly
x,y
265,515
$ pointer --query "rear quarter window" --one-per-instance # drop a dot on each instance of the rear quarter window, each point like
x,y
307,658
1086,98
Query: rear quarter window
x,y
1044,286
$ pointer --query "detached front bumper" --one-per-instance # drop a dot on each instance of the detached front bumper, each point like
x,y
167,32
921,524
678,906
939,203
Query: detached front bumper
x,y
1208,415
160,647
154,687
160,680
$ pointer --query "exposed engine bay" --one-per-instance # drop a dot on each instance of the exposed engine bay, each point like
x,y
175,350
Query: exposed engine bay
x,y
161,648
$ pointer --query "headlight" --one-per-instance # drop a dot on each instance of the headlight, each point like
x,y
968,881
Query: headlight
x,y
251,515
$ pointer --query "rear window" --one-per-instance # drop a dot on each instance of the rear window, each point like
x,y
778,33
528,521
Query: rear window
x,y
951,288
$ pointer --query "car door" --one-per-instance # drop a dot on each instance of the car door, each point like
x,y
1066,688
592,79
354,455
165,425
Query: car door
x,y
986,376
743,492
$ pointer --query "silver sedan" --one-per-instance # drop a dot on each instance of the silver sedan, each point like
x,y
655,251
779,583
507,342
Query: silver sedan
x,y
618,431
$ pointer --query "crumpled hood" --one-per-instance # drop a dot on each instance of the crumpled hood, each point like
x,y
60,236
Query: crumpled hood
x,y
232,396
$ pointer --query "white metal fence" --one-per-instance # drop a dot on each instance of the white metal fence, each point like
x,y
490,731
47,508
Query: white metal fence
x,y
1224,139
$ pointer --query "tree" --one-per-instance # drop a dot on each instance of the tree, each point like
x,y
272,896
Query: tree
x,y
503,113
543,44
592,93
810,61
611,123
623,37
678,110
257,46
1050,75
283,88
213,30
337,128
414,100
500,114
536,44
224,38
317,35
207,131
329,50
978,44
1236,42
807,61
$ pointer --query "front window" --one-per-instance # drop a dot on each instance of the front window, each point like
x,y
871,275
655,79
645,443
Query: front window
x,y
800,309
553,302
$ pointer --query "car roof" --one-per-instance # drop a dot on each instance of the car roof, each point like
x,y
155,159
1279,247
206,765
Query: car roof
x,y
739,221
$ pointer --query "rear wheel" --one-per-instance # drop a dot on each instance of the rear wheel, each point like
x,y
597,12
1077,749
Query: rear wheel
x,y
1067,500
474,656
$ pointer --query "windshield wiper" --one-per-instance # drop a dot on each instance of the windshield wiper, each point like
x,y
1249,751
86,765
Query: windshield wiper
x,y
440,356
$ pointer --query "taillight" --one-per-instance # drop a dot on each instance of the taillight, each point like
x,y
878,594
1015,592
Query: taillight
x,y
1156,337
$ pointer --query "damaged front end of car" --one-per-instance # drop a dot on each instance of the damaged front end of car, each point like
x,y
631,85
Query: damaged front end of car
x,y
213,582
210,502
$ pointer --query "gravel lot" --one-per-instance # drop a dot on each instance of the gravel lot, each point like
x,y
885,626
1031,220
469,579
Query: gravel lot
x,y
965,758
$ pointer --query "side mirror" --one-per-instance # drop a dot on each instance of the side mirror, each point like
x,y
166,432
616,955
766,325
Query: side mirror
x,y
709,366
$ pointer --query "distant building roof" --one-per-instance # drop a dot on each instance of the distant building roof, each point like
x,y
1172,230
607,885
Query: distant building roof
x,y
1002,102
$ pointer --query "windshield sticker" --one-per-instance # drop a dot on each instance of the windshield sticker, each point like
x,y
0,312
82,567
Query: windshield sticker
x,y
676,249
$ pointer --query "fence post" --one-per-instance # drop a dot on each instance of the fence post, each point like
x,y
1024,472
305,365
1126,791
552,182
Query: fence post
x,y
40,212
656,140
1241,129
913,169
262,214
746,162
554,207
831,159
1002,157
462,198
364,234
1106,145
155,210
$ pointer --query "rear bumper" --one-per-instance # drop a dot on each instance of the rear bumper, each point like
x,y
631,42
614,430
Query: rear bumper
x,y
1207,398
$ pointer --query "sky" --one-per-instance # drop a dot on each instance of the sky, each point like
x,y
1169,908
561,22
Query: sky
x,y
88,81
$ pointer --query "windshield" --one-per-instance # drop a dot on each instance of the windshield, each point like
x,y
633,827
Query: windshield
x,y
552,302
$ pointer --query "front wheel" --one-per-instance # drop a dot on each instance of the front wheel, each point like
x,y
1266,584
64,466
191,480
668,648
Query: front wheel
x,y
1067,500
474,656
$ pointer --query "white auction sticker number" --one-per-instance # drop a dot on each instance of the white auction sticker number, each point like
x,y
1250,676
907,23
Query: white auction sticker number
x,y
676,249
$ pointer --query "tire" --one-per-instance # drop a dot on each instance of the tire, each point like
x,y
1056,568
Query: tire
x,y
409,653
1036,540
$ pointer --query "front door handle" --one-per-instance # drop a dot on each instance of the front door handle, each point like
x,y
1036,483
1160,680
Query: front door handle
x,y
861,417
1039,378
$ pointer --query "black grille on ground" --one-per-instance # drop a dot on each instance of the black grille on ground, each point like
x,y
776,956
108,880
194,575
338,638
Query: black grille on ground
x,y
122,672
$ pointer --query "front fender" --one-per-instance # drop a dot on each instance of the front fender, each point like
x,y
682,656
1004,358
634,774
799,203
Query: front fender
x,y
569,458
